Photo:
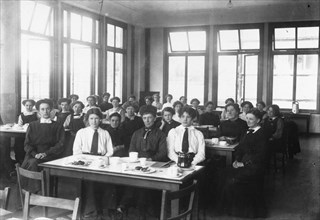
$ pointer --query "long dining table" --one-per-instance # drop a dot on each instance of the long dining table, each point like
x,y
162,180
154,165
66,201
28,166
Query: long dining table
x,y
226,150
157,177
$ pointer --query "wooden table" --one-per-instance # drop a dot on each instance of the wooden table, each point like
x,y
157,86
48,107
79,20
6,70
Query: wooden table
x,y
302,116
114,174
216,149
12,131
4,214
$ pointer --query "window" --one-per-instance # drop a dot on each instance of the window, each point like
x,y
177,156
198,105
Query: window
x,y
295,66
238,64
187,54
81,53
115,58
36,49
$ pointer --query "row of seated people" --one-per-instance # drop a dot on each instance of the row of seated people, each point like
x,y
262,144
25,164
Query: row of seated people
x,y
45,138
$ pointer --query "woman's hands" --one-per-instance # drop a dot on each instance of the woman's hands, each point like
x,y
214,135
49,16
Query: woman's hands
x,y
237,164
40,156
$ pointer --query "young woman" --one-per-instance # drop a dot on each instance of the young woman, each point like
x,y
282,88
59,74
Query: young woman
x,y
167,123
261,106
224,113
105,105
195,105
91,103
242,191
246,107
195,139
168,101
209,117
177,106
64,105
95,141
115,101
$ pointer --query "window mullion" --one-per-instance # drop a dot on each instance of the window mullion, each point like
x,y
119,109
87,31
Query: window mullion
x,y
186,76
294,77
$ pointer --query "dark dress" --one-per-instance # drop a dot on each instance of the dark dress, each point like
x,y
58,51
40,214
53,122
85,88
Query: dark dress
x,y
167,127
242,191
42,138
61,116
75,125
209,118
104,106
129,127
235,128
117,137
19,142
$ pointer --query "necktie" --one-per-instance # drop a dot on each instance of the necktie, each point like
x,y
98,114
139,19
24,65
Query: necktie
x,y
146,132
250,131
185,142
94,144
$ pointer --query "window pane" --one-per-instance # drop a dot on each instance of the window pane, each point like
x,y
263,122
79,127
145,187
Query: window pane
x,y
110,72
179,41
195,88
176,76
40,19
227,72
251,78
118,75
75,26
80,82
65,23
24,65
26,13
250,39
65,73
96,74
197,40
306,92
308,37
97,32
284,38
110,35
229,40
86,29
119,37
283,80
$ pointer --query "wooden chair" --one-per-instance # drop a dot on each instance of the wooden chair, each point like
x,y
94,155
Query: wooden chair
x,y
167,197
50,202
31,175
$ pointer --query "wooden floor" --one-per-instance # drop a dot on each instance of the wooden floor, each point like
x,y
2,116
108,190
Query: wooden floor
x,y
293,196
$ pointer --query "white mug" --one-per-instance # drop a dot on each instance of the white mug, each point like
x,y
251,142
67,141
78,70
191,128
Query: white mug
x,y
173,171
143,161
133,156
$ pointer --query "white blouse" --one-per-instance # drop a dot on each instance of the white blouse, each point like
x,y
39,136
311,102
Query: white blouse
x,y
196,143
83,141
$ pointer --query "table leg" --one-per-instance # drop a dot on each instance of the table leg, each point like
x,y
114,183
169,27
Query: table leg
x,y
228,159
175,205
48,183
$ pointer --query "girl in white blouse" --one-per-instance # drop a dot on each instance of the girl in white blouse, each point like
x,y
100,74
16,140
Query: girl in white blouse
x,y
195,138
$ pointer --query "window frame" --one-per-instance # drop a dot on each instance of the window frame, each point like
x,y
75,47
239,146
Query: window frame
x,y
295,52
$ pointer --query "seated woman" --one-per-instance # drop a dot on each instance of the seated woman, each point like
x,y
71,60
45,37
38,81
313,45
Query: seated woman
x,y
64,105
177,106
91,104
209,117
115,101
27,116
246,107
273,126
224,113
95,141
73,98
233,128
195,105
260,106
44,141
167,123
168,103
242,191
117,135
185,138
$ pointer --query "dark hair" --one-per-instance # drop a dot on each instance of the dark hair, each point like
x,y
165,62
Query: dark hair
x,y
256,113
182,97
229,100
192,112
208,103
132,96
28,100
95,111
246,103
77,102
276,110
262,103
93,97
115,114
169,95
234,105
177,103
149,98
197,100
74,96
64,100
47,101
115,98
148,109
106,94
168,109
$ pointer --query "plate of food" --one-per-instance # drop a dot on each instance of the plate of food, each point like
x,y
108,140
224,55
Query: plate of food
x,y
83,163
145,170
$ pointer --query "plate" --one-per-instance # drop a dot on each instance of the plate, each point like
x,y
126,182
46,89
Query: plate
x,y
80,163
150,170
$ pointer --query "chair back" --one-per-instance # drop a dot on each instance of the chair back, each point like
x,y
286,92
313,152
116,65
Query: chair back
x,y
50,202
167,197
30,175
4,197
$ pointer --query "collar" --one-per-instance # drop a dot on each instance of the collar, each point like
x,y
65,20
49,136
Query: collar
x,y
45,120
181,127
254,129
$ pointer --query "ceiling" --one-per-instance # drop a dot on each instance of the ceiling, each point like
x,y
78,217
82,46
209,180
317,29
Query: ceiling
x,y
140,12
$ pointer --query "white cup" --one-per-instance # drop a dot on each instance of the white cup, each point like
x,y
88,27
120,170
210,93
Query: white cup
x,y
222,143
133,156
173,171
114,160
143,161
215,140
